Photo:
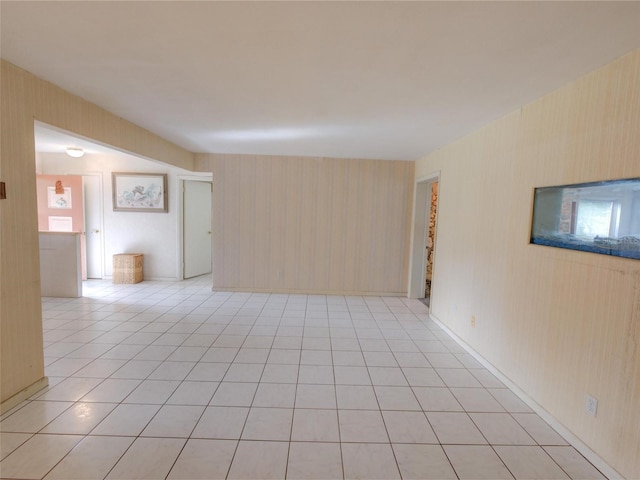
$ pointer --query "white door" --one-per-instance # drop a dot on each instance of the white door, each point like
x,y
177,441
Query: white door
x,y
197,228
92,185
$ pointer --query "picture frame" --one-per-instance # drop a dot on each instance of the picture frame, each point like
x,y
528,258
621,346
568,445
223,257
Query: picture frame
x,y
140,192
59,200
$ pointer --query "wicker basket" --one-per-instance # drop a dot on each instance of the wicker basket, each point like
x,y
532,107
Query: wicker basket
x,y
127,268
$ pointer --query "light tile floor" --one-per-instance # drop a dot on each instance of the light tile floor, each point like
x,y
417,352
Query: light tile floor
x,y
170,380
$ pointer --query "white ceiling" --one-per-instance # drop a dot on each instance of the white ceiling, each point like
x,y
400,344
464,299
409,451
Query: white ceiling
x,y
387,80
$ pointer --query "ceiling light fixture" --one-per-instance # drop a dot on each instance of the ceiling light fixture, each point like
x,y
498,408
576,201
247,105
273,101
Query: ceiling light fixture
x,y
75,152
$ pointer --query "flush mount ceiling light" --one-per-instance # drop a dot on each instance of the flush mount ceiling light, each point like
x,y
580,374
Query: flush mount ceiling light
x,y
75,152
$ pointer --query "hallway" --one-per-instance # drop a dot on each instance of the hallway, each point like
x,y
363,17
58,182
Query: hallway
x,y
171,380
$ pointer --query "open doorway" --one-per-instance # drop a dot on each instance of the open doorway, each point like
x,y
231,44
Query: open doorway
x,y
83,187
109,231
431,240
423,238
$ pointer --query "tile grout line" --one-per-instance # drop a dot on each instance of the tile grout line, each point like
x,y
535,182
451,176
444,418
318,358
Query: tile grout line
x,y
186,301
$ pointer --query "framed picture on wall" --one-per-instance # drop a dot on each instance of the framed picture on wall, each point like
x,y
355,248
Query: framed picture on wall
x,y
58,200
139,192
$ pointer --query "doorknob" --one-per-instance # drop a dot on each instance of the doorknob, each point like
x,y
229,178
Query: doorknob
x,y
95,231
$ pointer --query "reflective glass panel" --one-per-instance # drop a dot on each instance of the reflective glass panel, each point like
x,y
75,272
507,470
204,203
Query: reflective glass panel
x,y
602,217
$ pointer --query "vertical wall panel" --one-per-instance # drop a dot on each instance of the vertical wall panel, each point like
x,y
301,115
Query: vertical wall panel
x,y
20,313
338,215
350,232
293,189
246,210
559,323
311,224
277,223
23,99
322,221
306,223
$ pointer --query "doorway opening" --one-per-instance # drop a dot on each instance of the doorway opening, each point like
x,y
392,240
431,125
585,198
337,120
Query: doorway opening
x,y
431,241
423,238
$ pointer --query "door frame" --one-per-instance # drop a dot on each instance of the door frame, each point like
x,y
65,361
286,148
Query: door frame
x,y
208,178
419,231
101,221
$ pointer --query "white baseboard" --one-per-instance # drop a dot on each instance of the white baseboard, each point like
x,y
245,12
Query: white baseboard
x,y
573,440
293,291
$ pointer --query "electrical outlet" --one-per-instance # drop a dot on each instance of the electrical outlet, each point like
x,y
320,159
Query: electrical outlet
x,y
473,321
591,405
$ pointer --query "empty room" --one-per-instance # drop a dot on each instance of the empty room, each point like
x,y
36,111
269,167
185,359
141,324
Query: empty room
x,y
320,240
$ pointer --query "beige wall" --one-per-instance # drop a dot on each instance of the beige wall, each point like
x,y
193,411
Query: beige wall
x,y
25,98
558,323
317,225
